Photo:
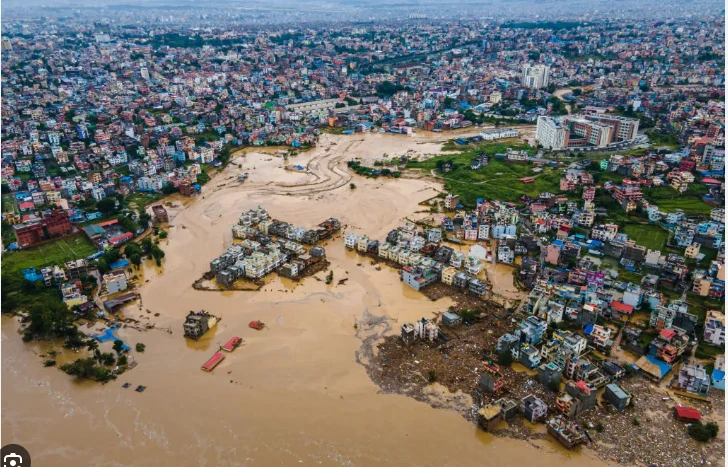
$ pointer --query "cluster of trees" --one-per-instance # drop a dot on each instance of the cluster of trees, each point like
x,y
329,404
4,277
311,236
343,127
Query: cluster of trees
x,y
49,318
371,172
203,178
87,368
135,251
703,432
388,88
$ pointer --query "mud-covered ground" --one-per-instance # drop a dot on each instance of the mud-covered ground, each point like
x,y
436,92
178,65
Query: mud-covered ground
x,y
655,438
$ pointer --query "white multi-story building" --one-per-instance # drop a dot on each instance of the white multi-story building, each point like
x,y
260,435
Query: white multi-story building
x,y
714,332
483,231
350,240
115,282
551,133
535,76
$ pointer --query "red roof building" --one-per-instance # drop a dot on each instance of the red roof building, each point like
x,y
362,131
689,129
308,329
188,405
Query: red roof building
x,y
687,414
622,307
213,361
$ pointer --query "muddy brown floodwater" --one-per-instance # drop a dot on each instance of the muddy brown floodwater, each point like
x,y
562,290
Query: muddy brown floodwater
x,y
294,393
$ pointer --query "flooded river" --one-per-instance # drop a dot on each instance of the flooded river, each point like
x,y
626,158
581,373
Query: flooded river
x,y
294,392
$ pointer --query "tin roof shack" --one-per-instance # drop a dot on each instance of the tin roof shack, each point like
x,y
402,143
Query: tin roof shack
x,y
549,374
533,408
489,416
687,414
652,368
198,323
567,433
617,396
492,379
692,381
408,333
451,319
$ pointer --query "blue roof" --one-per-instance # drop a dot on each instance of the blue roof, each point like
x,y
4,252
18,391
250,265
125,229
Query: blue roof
x,y
122,263
664,367
588,328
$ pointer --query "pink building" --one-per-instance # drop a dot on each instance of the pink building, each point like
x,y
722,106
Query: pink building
x,y
552,254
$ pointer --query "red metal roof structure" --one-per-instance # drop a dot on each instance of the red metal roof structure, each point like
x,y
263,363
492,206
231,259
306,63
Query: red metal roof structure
x,y
256,325
667,333
232,344
107,223
213,361
622,307
687,414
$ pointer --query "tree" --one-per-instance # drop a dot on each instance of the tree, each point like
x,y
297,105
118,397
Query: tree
x,y
134,252
140,347
123,360
431,376
703,432
168,189
157,254
92,345
144,219
107,358
118,346
107,206
576,92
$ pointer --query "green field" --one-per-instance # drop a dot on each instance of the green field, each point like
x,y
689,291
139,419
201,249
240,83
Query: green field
x,y
651,237
669,200
56,252
141,200
499,180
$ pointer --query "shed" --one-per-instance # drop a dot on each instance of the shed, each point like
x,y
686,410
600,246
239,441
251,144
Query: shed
x,y
616,396
687,414
451,319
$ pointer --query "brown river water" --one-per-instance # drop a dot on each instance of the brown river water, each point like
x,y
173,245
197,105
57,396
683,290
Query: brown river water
x,y
294,392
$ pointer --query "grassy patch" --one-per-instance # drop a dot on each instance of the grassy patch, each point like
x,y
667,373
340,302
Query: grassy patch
x,y
498,180
707,352
56,252
651,237
141,200
669,200
663,139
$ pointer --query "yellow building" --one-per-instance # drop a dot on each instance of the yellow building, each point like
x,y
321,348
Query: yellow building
x,y
692,250
448,274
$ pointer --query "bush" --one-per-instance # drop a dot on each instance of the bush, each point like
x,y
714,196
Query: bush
x,y
600,428
431,376
635,421
703,433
